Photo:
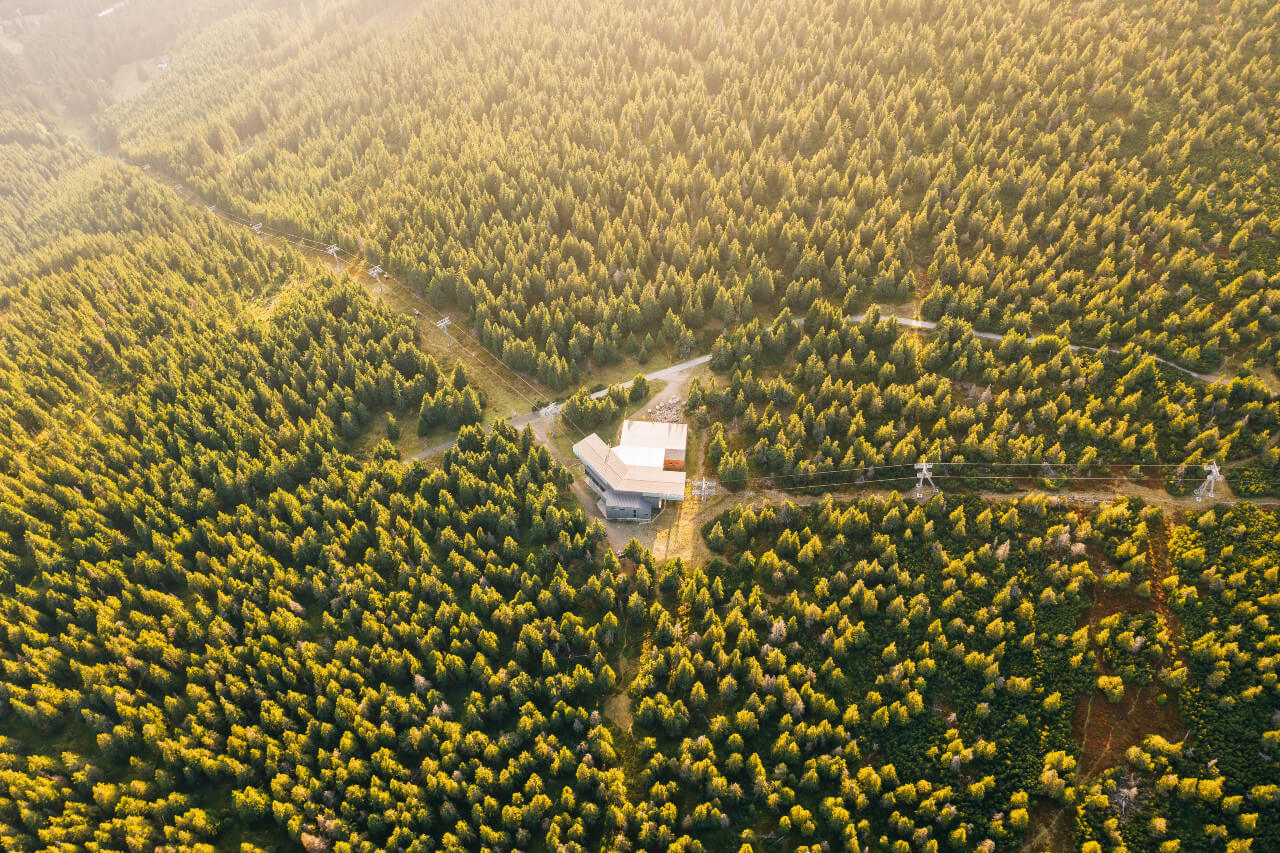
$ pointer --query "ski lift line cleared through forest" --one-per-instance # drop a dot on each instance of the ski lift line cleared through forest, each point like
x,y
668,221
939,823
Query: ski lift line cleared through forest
x,y
947,466
1091,498
323,248
320,247
494,371
467,332
316,246
911,478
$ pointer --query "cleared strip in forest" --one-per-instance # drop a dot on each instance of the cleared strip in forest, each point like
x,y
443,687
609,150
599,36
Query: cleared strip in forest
x,y
512,380
1162,568
497,369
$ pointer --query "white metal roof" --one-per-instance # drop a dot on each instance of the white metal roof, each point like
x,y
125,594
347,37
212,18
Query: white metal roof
x,y
641,457
650,434
622,477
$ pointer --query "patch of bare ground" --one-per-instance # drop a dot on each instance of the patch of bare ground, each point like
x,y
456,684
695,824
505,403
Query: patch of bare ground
x,y
1051,829
132,78
617,705
1162,568
628,566
1105,730
617,708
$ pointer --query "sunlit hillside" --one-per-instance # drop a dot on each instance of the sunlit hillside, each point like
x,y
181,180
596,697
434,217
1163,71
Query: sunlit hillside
x,y
565,426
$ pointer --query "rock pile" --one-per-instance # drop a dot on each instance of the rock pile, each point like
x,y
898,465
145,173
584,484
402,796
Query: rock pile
x,y
667,412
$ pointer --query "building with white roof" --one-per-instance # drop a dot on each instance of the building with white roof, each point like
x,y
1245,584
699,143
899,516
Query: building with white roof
x,y
638,476
645,437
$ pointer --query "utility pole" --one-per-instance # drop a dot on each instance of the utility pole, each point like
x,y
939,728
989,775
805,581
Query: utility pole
x,y
443,326
924,473
549,412
1214,476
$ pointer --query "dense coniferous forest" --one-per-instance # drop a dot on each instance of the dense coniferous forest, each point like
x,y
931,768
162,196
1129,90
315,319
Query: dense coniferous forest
x,y
233,617
564,171
961,727
845,399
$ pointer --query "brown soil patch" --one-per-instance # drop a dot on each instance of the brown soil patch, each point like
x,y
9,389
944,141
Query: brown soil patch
x,y
1161,568
133,78
617,706
1105,731
1105,603
1051,829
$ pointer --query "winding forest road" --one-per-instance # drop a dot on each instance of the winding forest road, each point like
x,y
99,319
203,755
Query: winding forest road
x,y
676,370
666,374
930,325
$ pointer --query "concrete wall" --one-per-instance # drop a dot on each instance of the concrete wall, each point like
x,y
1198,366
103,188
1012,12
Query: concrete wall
x,y
622,513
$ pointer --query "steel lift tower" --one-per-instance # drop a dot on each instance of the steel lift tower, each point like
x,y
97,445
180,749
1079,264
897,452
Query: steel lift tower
x,y
924,473
549,412
1214,476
